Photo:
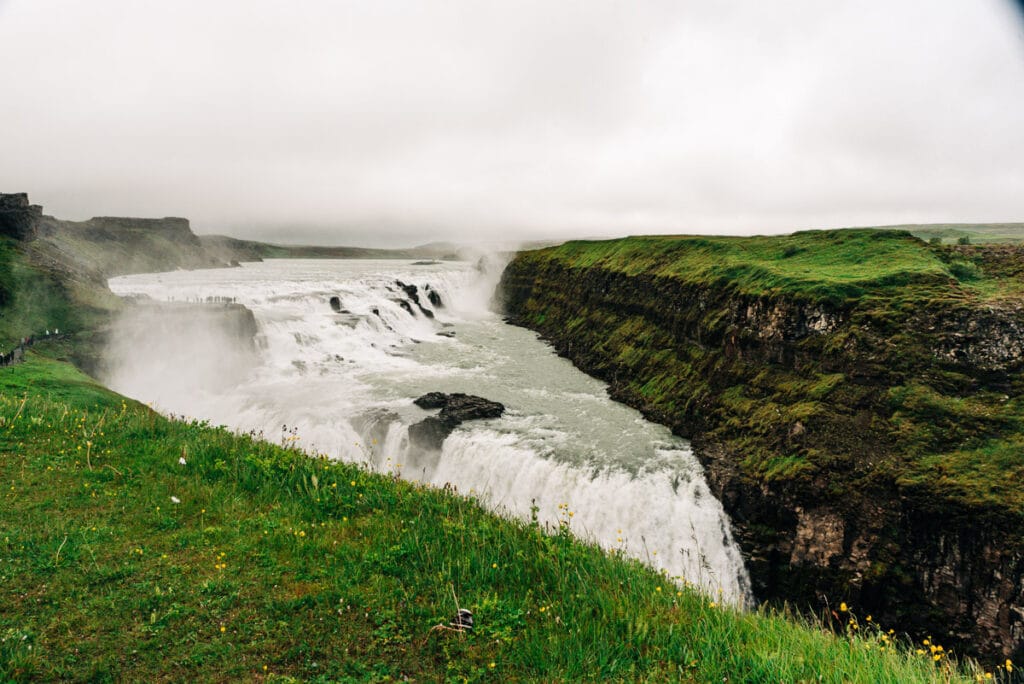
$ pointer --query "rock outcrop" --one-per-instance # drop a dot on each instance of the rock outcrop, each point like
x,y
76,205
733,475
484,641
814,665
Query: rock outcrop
x,y
18,218
431,432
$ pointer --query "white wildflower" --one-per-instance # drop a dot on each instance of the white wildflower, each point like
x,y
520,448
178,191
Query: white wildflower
x,y
175,499
182,460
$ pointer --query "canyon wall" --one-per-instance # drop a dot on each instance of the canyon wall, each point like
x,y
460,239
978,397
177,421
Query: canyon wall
x,y
846,436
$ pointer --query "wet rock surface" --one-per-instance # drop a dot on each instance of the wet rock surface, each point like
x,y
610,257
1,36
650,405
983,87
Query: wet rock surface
x,y
431,432
413,294
434,298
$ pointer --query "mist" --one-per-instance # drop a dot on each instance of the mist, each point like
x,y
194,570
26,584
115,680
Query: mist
x,y
177,355
395,123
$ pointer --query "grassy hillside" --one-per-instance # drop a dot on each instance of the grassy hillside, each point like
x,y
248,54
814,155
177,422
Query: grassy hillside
x,y
29,302
34,298
254,561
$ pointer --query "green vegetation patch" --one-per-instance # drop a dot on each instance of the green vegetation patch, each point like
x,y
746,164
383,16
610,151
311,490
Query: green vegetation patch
x,y
832,265
31,301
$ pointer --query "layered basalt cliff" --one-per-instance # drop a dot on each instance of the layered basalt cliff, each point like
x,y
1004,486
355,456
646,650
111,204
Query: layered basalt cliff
x,y
856,398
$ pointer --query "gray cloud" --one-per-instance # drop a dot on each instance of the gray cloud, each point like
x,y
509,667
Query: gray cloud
x,y
396,121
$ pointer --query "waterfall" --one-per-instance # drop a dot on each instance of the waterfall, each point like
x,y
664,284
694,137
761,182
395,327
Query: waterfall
x,y
346,346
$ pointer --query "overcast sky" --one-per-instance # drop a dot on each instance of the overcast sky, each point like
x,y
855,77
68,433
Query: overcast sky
x,y
392,122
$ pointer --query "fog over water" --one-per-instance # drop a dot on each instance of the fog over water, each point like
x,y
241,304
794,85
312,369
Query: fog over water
x,y
343,383
397,122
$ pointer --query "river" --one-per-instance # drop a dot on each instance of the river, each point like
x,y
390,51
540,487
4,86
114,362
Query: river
x,y
342,384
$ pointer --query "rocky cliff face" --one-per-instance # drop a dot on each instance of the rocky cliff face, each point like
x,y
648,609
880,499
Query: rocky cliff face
x,y
18,218
111,246
815,421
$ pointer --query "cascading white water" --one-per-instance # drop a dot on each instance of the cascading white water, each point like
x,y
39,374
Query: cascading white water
x,y
343,382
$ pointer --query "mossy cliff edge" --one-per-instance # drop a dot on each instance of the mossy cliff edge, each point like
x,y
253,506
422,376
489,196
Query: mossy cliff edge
x,y
856,397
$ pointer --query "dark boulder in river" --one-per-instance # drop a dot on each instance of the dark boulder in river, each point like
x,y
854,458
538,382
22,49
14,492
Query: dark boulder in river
x,y
431,432
460,406
336,303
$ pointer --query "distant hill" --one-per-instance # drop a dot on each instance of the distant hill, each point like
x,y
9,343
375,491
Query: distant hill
x,y
234,249
977,233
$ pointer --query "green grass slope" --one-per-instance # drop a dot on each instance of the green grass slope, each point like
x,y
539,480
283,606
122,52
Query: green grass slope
x,y
253,561
29,301
33,299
